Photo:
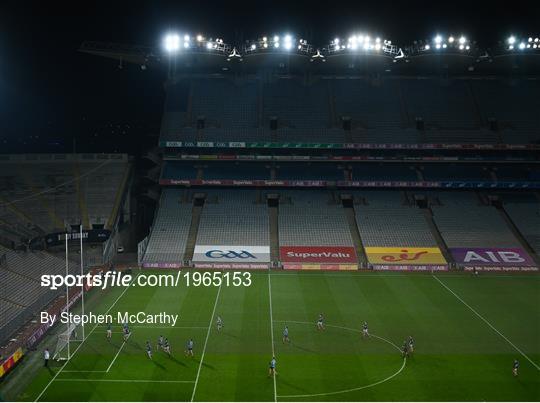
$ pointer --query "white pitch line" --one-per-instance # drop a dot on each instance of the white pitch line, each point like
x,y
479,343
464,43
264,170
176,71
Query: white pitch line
x,y
205,343
119,380
487,323
79,346
272,331
81,370
114,359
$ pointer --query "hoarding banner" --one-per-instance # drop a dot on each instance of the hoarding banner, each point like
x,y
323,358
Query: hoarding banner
x,y
317,254
405,256
163,265
219,266
235,254
10,362
502,257
500,268
322,267
396,267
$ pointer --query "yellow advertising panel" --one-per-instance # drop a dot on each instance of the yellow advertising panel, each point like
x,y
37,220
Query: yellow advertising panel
x,y
405,255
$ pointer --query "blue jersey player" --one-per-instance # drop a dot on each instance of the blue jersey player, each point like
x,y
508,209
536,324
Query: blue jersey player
x,y
189,348
148,350
286,335
272,367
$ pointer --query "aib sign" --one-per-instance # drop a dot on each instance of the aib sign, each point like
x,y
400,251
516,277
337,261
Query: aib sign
x,y
231,253
492,256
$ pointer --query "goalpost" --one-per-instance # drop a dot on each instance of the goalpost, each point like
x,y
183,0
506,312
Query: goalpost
x,y
62,350
73,332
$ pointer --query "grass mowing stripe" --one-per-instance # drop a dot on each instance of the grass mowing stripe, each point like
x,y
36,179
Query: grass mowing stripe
x,y
487,323
272,330
206,342
120,380
79,346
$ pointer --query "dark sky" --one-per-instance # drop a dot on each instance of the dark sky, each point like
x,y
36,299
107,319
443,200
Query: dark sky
x,y
50,93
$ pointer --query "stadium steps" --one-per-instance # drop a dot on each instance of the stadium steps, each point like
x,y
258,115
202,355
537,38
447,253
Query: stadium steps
x,y
355,234
274,232
193,229
517,233
428,215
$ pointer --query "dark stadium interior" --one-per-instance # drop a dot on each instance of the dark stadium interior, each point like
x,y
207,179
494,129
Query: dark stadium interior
x,y
161,132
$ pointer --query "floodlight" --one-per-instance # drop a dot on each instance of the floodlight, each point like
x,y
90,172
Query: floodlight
x,y
462,40
444,45
354,46
461,47
528,46
438,39
378,46
438,46
186,45
522,45
253,46
451,39
536,39
367,38
276,44
209,45
288,45
299,47
426,47
512,40
511,47
378,40
530,39
171,42
336,41
199,38
288,38
276,38
265,45
186,37
467,47
265,38
535,46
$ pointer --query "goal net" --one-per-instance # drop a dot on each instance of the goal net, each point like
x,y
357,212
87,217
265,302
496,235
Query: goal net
x,y
62,350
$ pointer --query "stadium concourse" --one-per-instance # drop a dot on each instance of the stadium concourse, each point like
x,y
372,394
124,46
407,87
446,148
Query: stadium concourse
x,y
319,179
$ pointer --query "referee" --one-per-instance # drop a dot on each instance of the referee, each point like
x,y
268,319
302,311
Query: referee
x,y
46,355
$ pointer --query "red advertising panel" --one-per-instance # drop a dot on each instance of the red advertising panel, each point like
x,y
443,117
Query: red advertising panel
x,y
317,254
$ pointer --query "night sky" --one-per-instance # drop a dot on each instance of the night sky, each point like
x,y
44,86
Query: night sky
x,y
52,96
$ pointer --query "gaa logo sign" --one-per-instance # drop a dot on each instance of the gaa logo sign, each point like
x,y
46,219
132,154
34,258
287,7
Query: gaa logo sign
x,y
229,254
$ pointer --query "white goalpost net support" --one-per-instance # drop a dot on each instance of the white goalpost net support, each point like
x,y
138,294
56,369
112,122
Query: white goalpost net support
x,y
62,351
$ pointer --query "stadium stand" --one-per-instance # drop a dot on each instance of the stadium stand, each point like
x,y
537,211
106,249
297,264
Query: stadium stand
x,y
234,217
45,193
464,221
169,232
312,218
384,218
380,110
524,210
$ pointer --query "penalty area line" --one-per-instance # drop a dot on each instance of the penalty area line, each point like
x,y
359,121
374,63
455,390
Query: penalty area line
x,y
487,323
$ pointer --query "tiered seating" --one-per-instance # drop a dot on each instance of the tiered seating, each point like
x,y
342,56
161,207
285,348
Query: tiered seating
x,y
381,111
312,218
455,172
297,106
383,172
45,193
385,221
464,222
442,105
234,217
235,170
307,171
20,287
513,104
525,213
171,227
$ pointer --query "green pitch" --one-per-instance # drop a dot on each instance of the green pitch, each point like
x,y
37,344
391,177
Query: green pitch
x,y
468,330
